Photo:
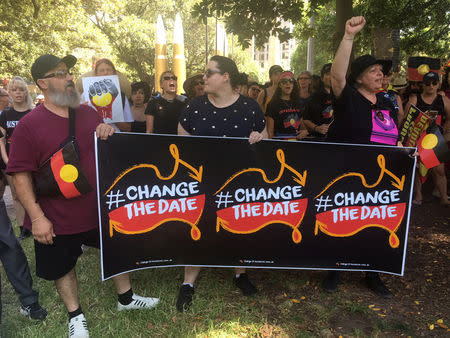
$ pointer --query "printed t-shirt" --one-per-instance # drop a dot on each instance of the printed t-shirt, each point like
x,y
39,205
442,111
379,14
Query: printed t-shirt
x,y
286,116
240,119
8,121
319,110
357,120
437,105
37,137
165,114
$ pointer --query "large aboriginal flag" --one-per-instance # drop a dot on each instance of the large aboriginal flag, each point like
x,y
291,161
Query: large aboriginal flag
x,y
418,66
433,148
62,175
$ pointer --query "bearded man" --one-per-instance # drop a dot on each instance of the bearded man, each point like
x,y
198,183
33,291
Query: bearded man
x,y
61,225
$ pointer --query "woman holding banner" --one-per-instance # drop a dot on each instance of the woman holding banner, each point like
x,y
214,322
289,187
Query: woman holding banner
x,y
361,116
430,100
221,112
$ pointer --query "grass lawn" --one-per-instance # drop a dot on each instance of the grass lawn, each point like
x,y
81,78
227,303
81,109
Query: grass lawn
x,y
289,303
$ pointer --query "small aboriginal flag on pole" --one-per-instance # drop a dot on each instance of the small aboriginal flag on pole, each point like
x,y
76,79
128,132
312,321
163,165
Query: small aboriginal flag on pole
x,y
433,148
61,174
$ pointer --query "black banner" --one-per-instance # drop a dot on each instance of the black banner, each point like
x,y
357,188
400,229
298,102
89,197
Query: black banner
x,y
181,200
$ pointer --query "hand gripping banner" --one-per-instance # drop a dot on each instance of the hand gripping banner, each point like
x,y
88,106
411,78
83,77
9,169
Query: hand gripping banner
x,y
206,201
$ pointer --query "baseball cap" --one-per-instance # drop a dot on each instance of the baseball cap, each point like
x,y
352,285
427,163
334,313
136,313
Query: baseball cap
x,y
275,69
47,62
359,65
430,77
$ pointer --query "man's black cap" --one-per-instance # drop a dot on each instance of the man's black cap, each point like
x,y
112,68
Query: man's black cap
x,y
47,62
359,66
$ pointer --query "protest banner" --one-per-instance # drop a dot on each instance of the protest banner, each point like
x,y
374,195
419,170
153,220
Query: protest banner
x,y
103,94
207,201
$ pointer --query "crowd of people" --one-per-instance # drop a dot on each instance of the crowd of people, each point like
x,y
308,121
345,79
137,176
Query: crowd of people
x,y
361,108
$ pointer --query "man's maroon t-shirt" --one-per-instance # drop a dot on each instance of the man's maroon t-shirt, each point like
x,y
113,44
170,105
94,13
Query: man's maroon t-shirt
x,y
36,138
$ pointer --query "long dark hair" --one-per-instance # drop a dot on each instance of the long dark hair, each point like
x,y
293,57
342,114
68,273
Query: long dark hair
x,y
294,97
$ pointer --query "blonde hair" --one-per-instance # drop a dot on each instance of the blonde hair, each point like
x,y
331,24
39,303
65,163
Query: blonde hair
x,y
18,82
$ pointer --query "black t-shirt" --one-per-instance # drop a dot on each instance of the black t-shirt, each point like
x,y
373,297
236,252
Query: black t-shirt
x,y
436,105
357,120
286,116
8,121
201,117
165,114
319,110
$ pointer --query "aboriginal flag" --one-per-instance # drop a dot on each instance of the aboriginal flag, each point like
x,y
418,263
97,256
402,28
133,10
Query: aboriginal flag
x,y
418,66
433,148
61,174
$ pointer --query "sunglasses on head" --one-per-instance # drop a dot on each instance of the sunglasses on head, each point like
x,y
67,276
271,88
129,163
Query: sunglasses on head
x,y
171,77
211,72
284,81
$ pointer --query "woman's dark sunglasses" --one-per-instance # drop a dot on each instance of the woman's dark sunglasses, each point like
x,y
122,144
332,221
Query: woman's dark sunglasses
x,y
199,83
172,77
284,81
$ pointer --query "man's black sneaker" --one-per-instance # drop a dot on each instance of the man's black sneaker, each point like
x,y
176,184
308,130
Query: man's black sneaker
x,y
34,311
331,281
375,284
242,282
184,300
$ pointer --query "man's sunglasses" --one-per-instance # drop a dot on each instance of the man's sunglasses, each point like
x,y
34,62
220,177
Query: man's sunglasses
x,y
168,78
284,81
434,83
61,74
211,72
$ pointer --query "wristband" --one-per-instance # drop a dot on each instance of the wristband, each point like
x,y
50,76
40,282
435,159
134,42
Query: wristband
x,y
34,220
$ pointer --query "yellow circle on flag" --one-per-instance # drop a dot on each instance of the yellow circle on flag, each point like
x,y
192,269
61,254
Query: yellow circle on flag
x,y
68,173
429,141
423,69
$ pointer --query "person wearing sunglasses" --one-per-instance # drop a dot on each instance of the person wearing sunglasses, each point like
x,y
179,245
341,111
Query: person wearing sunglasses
x,y
222,112
431,100
360,117
162,113
194,86
253,90
283,115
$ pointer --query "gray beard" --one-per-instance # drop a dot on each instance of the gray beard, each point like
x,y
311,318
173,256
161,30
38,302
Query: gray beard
x,y
65,99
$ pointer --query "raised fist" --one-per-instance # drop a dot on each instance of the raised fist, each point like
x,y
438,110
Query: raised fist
x,y
102,95
354,25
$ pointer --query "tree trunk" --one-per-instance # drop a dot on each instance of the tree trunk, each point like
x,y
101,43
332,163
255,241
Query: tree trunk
x,y
344,11
382,42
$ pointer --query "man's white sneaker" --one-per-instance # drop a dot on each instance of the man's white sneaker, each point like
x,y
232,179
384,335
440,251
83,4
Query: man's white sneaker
x,y
138,303
78,327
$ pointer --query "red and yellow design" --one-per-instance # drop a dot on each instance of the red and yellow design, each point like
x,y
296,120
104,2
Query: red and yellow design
x,y
226,219
120,220
327,224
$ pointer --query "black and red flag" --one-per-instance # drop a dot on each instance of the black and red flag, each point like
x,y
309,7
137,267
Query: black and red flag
x,y
62,174
418,66
433,148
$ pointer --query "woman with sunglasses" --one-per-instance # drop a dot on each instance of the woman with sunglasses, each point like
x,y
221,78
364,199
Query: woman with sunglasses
x,y
21,105
221,112
194,86
431,100
283,115
162,113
